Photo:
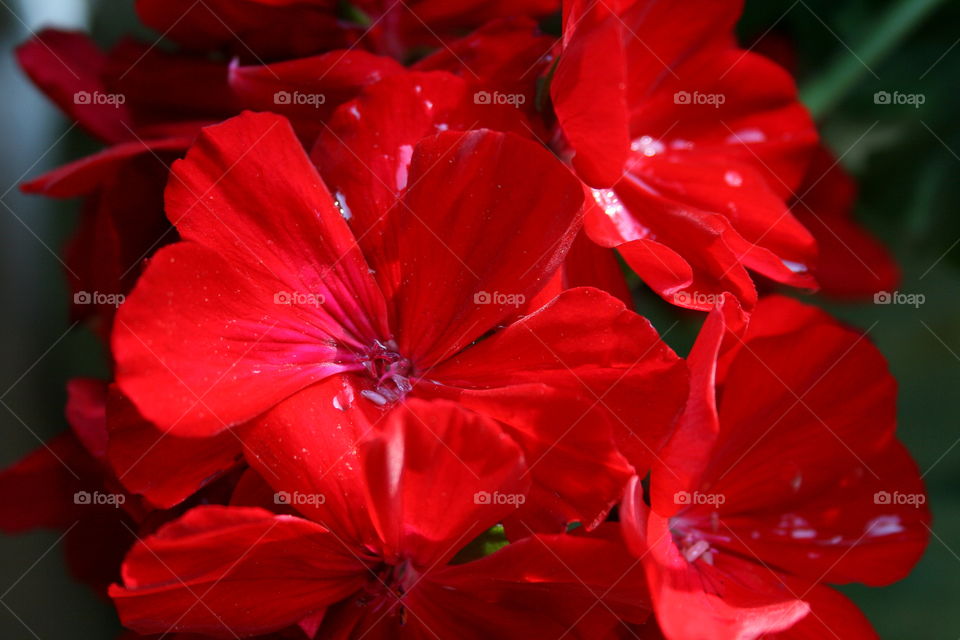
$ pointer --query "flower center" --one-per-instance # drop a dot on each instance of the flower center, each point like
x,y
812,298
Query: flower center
x,y
386,588
390,372
693,547
695,539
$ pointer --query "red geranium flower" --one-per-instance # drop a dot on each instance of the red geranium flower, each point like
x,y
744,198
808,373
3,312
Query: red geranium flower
x,y
148,106
52,488
83,481
692,146
378,556
272,30
272,292
851,263
783,475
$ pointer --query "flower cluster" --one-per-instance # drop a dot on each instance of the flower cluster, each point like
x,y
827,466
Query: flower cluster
x,y
375,368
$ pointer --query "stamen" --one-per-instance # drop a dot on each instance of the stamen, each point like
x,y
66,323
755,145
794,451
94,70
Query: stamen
x,y
374,397
390,372
696,550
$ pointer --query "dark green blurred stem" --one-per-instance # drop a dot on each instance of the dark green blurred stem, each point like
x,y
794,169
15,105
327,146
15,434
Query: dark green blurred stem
x,y
823,93
921,224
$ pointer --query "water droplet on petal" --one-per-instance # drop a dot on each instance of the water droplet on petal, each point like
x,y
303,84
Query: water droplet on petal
x,y
733,178
342,205
625,223
647,146
884,526
796,267
747,136
406,152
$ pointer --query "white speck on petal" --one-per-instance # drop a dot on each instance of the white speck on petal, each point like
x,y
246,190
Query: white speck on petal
x,y
884,526
342,205
647,146
733,178
796,267
747,136
406,152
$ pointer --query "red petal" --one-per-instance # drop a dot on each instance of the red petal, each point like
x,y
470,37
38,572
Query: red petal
x,y
250,28
224,571
86,414
252,490
365,155
765,234
233,218
42,490
590,265
122,223
739,159
607,70
575,465
687,259
623,369
760,121
472,239
676,39
851,263
590,101
731,598
683,460
803,451
832,615
163,468
792,403
503,55
437,477
863,529
230,282
84,175
67,66
468,12
38,490
540,587
308,90
703,195
306,448
169,92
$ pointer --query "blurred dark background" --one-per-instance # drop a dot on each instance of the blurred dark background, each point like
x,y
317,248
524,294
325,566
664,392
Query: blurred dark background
x,y
906,159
